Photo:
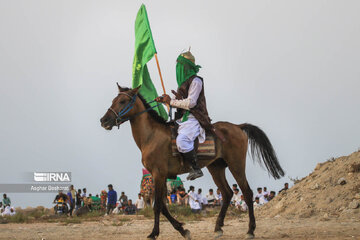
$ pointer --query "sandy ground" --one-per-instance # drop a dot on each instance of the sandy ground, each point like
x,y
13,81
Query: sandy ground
x,y
270,228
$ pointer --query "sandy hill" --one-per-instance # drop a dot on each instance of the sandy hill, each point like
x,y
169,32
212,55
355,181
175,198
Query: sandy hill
x,y
332,190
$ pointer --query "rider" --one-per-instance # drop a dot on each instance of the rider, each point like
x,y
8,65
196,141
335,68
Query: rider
x,y
61,197
191,103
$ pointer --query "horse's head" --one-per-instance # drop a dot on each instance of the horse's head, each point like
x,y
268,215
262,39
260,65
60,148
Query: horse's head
x,y
122,108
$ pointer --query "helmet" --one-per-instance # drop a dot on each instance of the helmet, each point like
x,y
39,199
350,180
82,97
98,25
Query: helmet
x,y
188,55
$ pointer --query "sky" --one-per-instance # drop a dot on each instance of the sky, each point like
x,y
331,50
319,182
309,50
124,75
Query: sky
x,y
289,67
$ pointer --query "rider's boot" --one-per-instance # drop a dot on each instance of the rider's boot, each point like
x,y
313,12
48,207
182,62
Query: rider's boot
x,y
195,171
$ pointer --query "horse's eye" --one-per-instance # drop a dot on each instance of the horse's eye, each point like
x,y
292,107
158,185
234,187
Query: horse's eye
x,y
122,102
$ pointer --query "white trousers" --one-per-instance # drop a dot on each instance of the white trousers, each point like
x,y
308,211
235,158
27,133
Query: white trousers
x,y
187,133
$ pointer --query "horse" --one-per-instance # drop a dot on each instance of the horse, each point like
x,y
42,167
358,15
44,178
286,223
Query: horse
x,y
152,135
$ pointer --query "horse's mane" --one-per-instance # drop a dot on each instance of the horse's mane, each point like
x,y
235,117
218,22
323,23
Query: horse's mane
x,y
153,114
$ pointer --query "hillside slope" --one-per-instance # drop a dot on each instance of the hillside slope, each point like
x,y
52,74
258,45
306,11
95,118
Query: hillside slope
x,y
332,190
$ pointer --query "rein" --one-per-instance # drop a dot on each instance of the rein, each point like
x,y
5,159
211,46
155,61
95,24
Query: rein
x,y
120,116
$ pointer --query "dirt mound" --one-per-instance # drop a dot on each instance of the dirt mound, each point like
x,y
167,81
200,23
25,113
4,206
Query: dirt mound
x,y
332,190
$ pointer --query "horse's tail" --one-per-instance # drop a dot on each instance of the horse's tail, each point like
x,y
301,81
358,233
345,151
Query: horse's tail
x,y
261,149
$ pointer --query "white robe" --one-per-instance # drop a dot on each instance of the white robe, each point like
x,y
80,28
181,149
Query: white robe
x,y
191,129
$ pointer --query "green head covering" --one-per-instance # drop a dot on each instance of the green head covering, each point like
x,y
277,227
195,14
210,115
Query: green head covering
x,y
185,68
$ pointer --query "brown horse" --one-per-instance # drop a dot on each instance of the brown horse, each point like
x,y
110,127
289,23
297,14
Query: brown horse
x,y
153,137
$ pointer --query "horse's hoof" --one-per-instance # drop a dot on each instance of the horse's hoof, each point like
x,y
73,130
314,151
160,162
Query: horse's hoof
x,y
151,236
249,236
218,234
187,235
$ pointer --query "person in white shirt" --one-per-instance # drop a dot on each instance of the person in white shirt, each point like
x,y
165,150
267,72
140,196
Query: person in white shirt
x,y
139,204
259,193
211,198
218,198
12,211
6,211
236,197
192,114
265,192
257,203
117,209
203,200
194,200
241,205
261,196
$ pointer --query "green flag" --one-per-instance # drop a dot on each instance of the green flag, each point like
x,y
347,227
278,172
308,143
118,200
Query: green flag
x,y
144,51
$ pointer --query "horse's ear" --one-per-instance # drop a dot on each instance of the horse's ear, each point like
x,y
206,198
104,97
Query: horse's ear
x,y
120,88
136,90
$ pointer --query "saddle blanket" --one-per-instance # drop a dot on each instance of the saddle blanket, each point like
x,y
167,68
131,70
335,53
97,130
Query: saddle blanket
x,y
204,150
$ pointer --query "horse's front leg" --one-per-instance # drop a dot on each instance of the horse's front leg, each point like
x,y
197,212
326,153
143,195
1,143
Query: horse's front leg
x,y
176,224
159,193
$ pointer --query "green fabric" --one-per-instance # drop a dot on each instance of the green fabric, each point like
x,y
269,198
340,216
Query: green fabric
x,y
144,52
184,70
175,183
6,201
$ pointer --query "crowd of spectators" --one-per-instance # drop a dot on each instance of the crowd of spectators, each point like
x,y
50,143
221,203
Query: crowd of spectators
x,y
109,202
197,201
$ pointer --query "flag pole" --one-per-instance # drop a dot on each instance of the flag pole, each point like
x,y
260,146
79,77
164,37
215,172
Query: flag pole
x,y
162,82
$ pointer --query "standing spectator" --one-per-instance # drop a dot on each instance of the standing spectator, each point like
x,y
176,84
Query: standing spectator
x,y
139,204
173,197
6,200
78,200
130,209
112,197
123,199
211,198
73,193
84,193
286,187
236,197
71,200
182,197
218,198
194,201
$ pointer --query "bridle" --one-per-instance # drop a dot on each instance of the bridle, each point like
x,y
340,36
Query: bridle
x,y
120,119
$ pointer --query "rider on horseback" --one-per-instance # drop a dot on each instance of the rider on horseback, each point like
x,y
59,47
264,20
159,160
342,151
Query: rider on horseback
x,y
192,115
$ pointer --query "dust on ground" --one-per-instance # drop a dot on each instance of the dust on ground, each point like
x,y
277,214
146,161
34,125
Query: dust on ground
x,y
267,228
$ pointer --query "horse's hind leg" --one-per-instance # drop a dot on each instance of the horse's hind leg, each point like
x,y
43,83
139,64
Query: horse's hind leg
x,y
217,170
175,223
238,172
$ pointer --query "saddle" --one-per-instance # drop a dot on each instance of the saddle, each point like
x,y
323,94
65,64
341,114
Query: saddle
x,y
205,150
